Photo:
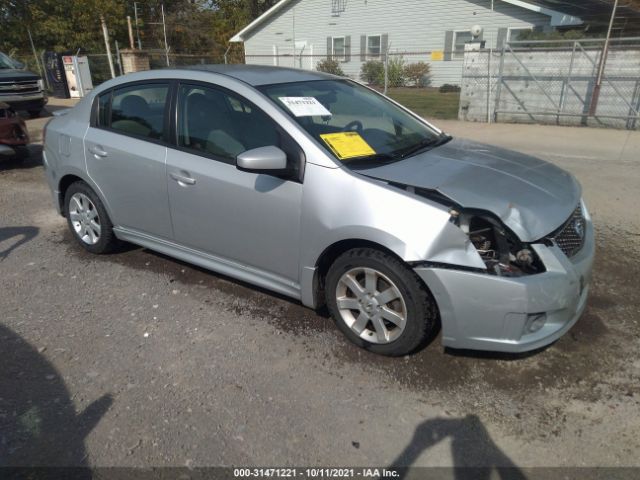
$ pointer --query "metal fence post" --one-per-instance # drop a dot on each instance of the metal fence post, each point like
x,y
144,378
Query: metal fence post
x,y
489,77
499,83
567,82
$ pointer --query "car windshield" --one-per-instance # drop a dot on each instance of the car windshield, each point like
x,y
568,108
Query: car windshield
x,y
356,125
6,62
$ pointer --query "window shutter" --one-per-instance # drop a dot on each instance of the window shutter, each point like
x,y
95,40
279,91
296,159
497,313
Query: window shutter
x,y
329,48
347,48
448,45
502,37
363,48
384,44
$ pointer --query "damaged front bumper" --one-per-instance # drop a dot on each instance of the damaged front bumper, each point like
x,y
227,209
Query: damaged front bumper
x,y
513,314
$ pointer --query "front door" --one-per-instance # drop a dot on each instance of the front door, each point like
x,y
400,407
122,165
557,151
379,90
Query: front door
x,y
126,158
250,219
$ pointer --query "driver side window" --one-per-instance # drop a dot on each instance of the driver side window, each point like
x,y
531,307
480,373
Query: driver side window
x,y
222,125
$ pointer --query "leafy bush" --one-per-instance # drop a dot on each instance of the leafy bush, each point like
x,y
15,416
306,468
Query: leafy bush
x,y
372,72
330,65
417,73
448,88
395,72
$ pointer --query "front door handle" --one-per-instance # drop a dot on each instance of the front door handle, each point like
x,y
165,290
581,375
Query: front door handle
x,y
182,179
98,151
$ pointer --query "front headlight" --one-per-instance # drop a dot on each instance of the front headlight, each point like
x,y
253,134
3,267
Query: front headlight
x,y
41,84
500,249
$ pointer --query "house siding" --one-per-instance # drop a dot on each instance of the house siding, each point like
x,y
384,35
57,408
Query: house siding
x,y
414,28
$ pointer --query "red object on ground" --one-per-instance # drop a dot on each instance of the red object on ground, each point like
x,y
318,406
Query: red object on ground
x,y
13,132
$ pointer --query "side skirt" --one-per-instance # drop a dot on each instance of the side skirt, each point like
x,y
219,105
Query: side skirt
x,y
244,273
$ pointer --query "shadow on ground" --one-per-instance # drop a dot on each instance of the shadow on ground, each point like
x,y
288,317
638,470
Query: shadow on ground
x,y
13,237
475,455
33,160
39,425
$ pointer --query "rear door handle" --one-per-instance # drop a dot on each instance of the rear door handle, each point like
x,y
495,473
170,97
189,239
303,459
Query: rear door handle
x,y
98,151
182,179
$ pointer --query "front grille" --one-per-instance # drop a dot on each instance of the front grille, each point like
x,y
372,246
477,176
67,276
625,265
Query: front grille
x,y
19,87
570,237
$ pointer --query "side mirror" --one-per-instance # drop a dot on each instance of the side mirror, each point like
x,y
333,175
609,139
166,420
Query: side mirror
x,y
19,65
269,160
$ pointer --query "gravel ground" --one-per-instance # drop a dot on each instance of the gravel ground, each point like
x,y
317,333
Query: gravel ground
x,y
135,359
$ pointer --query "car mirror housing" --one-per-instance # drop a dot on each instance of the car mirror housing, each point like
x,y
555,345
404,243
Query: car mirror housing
x,y
270,160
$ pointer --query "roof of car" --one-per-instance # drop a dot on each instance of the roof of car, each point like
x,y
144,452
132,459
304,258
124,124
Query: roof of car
x,y
263,75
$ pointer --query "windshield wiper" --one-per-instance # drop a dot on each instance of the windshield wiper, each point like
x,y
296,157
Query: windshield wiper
x,y
382,158
424,144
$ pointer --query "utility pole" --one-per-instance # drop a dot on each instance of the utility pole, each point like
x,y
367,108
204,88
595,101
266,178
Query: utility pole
x,y
105,33
118,58
35,55
131,44
603,61
164,29
135,12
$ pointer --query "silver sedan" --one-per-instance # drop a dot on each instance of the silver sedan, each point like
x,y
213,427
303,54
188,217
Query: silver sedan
x,y
321,189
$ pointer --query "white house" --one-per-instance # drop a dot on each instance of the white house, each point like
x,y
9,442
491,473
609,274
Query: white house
x,y
300,33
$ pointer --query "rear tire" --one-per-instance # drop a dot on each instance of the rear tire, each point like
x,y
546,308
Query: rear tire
x,y
88,220
379,303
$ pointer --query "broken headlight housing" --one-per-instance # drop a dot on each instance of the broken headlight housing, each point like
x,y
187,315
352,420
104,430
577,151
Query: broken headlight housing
x,y
500,249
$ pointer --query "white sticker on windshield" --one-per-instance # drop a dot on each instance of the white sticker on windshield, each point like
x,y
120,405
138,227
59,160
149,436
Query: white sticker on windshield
x,y
305,106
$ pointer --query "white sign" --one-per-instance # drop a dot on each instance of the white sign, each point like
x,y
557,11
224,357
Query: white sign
x,y
305,106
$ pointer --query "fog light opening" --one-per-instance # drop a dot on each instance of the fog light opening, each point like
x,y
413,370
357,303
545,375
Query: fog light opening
x,y
535,321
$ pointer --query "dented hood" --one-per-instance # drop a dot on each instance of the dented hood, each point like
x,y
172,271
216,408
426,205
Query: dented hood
x,y
531,196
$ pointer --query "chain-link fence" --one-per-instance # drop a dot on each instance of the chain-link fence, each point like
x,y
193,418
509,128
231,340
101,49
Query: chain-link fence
x,y
554,82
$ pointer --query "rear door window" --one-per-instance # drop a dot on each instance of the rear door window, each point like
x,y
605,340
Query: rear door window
x,y
138,110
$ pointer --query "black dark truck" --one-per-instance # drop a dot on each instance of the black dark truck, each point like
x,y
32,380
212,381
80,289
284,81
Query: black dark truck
x,y
21,89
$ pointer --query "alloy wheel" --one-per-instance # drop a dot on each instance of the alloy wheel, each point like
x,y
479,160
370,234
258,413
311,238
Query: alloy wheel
x,y
84,218
371,305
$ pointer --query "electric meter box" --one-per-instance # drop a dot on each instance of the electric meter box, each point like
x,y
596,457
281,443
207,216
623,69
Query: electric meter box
x,y
78,75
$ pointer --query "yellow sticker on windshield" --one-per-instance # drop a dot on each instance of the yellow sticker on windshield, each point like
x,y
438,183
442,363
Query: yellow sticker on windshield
x,y
347,145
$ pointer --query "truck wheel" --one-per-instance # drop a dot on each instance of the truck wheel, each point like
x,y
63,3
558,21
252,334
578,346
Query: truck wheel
x,y
379,303
35,113
88,219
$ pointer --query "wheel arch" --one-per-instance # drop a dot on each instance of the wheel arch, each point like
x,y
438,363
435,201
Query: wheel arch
x,y
70,177
331,253
63,185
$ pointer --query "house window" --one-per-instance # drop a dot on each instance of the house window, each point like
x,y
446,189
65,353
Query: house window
x,y
514,33
460,39
338,49
373,45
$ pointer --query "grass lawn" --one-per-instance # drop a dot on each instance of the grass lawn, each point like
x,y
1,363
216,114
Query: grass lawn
x,y
427,102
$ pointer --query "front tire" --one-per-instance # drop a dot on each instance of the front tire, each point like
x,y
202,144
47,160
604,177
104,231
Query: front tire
x,y
88,220
35,113
379,303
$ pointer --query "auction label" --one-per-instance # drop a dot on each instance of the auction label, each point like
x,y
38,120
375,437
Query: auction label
x,y
305,106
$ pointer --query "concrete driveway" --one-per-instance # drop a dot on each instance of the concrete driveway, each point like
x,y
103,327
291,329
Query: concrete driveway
x,y
135,359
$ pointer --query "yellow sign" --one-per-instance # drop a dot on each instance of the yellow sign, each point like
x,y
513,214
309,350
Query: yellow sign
x,y
437,56
347,145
